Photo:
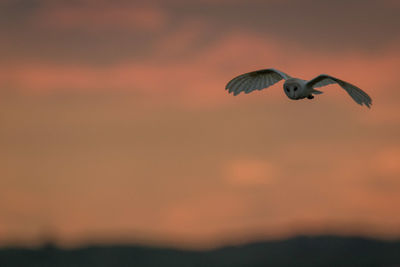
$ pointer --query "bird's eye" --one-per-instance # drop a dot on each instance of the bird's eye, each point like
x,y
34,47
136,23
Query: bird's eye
x,y
295,88
287,89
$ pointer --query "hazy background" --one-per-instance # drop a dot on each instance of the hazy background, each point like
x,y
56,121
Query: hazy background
x,y
115,126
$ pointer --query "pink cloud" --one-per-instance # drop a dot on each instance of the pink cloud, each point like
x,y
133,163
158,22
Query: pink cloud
x,y
249,172
238,53
198,79
206,216
387,162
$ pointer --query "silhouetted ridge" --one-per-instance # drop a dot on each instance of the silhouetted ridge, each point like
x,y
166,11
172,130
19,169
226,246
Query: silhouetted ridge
x,y
299,251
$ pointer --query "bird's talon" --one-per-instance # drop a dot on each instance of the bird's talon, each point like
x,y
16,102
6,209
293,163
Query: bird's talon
x,y
310,97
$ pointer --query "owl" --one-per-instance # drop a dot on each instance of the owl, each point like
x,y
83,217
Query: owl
x,y
294,88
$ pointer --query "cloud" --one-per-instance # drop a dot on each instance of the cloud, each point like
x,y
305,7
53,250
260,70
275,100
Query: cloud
x,y
249,172
177,174
101,17
387,161
103,32
200,75
205,216
123,124
320,25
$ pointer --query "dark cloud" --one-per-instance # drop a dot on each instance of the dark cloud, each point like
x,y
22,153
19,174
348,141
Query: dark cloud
x,y
339,24
27,32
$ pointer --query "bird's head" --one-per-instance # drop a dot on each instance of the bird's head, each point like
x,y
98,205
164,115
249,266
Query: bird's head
x,y
293,89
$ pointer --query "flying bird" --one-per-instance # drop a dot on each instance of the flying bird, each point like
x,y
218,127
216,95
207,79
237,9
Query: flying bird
x,y
294,88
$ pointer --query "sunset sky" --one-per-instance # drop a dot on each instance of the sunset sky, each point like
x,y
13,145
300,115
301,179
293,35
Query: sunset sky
x,y
115,125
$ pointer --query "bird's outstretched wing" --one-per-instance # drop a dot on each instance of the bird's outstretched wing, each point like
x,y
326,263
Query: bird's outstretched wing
x,y
255,80
358,95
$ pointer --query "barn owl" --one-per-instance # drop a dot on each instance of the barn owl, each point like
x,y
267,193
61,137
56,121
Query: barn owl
x,y
294,88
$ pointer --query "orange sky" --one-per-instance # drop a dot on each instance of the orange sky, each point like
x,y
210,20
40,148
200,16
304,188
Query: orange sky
x,y
116,125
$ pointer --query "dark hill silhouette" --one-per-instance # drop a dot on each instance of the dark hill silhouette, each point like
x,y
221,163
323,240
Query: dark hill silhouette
x,y
299,251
